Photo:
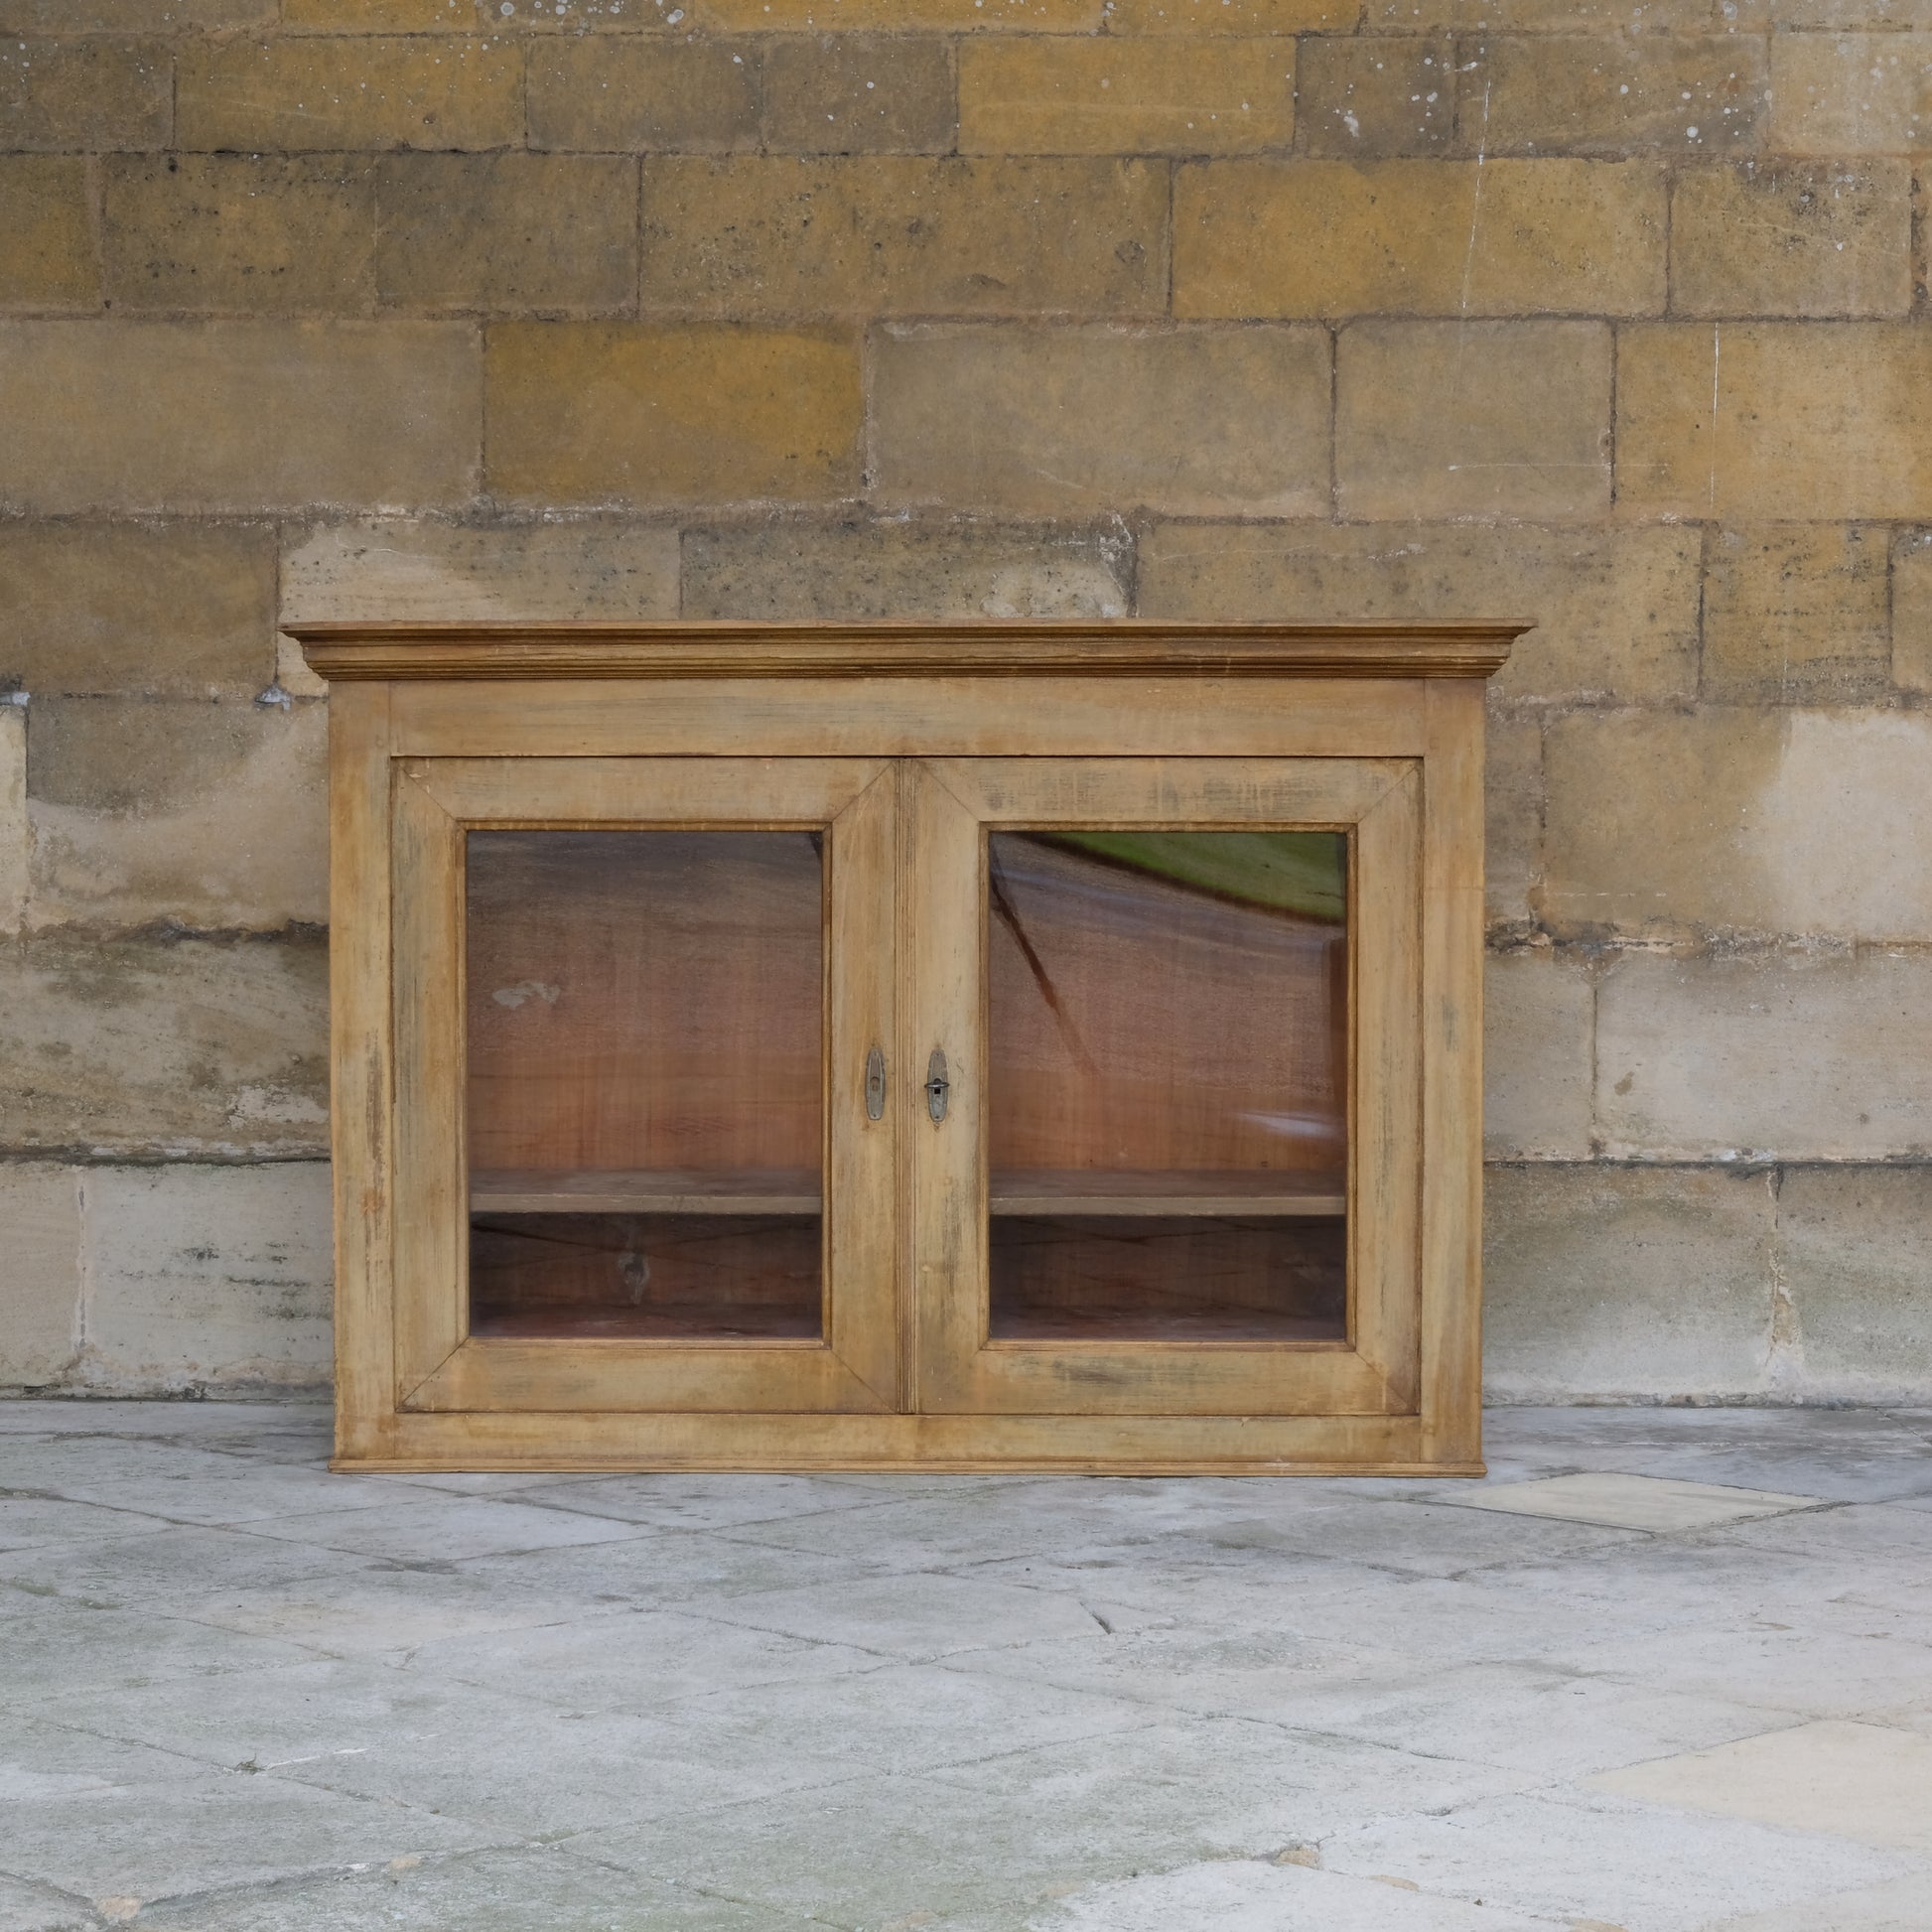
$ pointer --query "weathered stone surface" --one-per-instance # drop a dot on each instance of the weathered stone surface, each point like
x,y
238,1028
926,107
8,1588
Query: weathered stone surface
x,y
206,1276
1857,1249
212,817
1196,422
1539,1021
1614,94
1812,420
15,838
1567,17
1367,99
1634,1282
1119,95
40,1274
1911,610
166,415
1512,856
1473,419
155,609
251,234
388,16
902,16
903,570
644,96
642,414
1231,15
1615,612
164,1046
1792,238
777,237
1852,93
862,93
307,92
1797,614
47,234
1434,237
85,95
133,16
1805,822
540,234
1791,1054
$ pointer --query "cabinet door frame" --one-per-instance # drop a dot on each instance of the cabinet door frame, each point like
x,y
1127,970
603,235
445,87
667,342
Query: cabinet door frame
x,y
951,806
854,1366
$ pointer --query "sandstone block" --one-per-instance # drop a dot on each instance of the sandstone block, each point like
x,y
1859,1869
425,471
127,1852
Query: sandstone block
x,y
1857,1249
1473,419
40,1275
1614,94
1539,1023
207,1278
87,95
1759,821
1911,611
1797,614
862,93
902,16
16,839
1568,17
1626,1282
316,91
903,570
1368,99
1194,422
1513,819
1615,612
1792,239
212,817
1841,95
632,413
547,233
1775,419
249,234
1797,1055
157,610
132,16
1842,15
1196,17
644,95
164,1047
388,16
1336,238
164,415
403,568
773,237
47,234
1119,95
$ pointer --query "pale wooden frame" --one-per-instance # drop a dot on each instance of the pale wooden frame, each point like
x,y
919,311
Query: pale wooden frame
x,y
438,1365
951,806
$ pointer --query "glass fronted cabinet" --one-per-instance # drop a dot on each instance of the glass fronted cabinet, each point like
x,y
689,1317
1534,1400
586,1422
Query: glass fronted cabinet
x,y
1028,1046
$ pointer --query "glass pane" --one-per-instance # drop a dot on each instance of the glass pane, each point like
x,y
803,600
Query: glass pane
x,y
645,1115
1168,1034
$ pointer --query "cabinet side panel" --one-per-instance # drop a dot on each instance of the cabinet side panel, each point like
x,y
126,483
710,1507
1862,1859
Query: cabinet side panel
x,y
360,1070
1452,1245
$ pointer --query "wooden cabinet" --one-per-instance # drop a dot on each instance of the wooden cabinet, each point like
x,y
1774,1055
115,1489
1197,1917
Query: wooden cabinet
x,y
1032,1046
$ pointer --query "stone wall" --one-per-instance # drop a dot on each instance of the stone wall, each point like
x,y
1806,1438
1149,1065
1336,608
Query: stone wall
x,y
1609,313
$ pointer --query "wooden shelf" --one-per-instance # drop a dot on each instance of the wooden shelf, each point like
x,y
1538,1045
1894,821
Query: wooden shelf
x,y
535,1191
1088,1190
795,1191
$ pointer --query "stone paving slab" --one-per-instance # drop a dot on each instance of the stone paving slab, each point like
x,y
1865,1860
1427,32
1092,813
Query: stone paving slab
x,y
240,1694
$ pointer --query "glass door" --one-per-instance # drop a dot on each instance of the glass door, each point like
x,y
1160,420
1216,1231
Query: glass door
x,y
1167,1005
650,1097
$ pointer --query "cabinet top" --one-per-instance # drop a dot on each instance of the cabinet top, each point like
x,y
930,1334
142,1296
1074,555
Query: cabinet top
x,y
1124,648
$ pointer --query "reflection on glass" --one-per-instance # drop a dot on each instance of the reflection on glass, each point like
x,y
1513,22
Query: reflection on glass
x,y
1168,1067
644,1118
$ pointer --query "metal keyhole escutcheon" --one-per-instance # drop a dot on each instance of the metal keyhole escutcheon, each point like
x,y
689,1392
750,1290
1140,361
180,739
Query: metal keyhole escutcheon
x,y
874,1084
938,1086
